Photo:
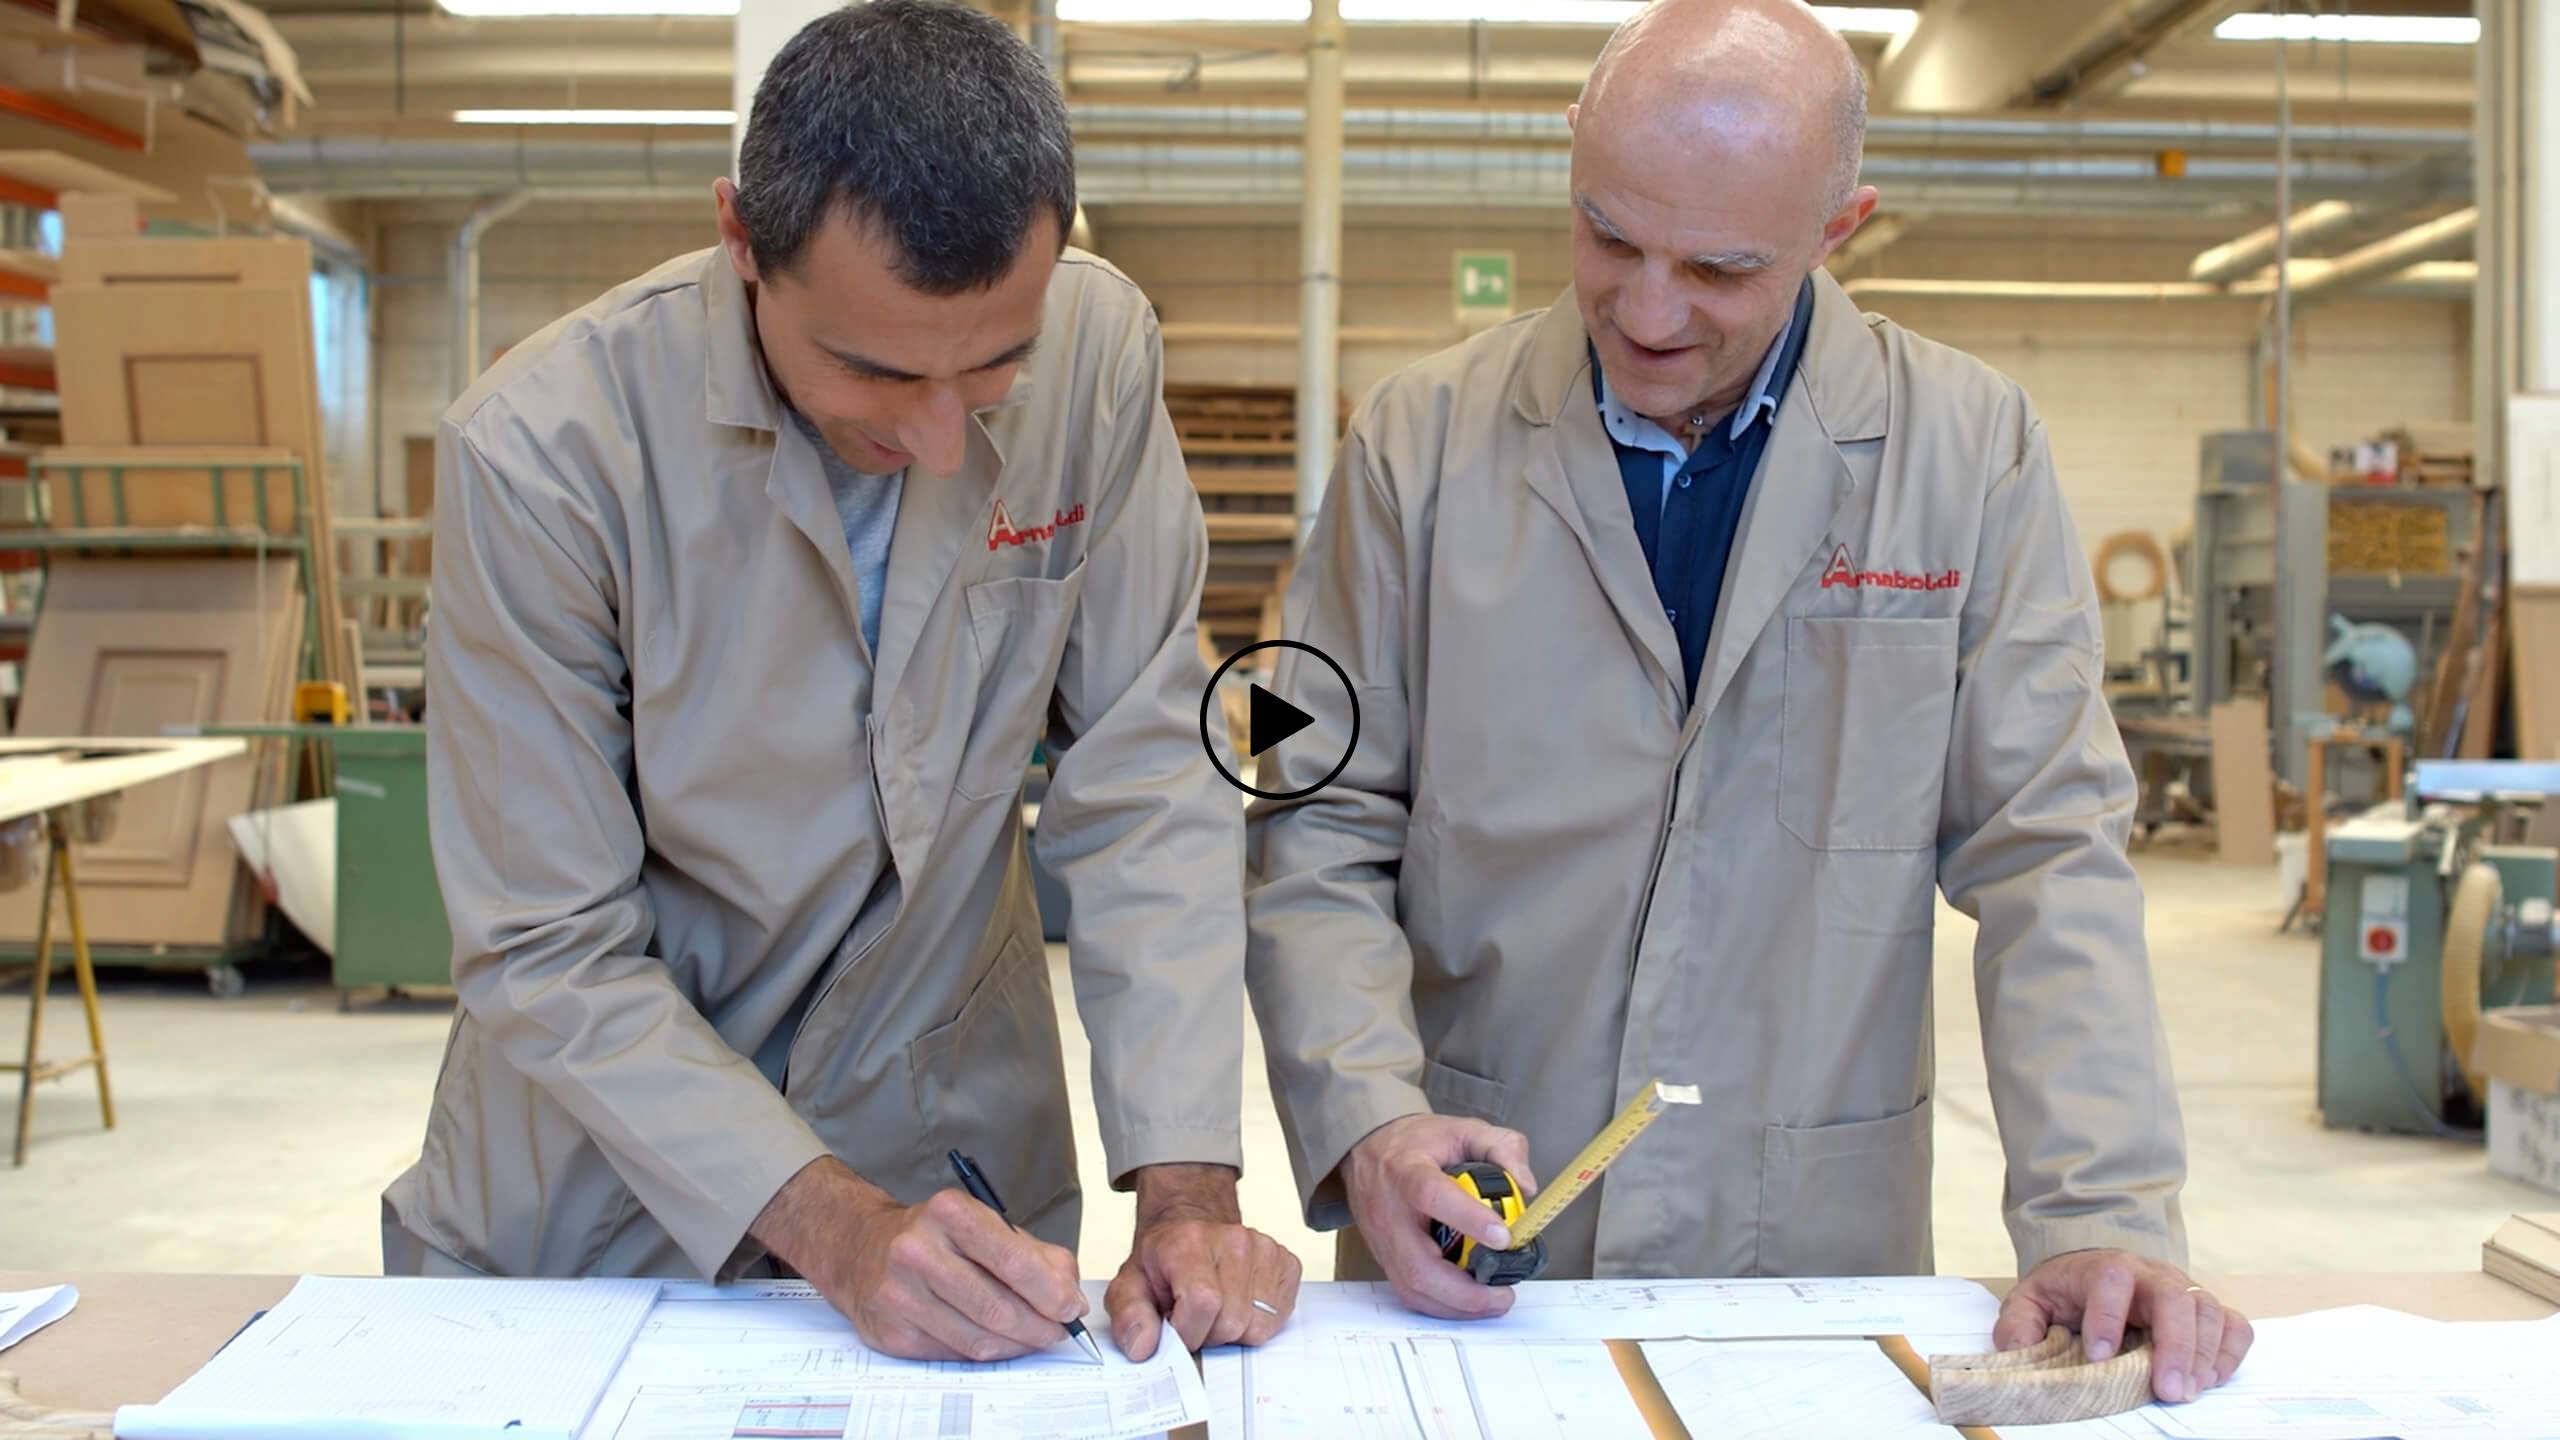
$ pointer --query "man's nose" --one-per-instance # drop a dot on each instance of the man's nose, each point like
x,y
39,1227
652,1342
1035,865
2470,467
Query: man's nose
x,y
936,430
1651,311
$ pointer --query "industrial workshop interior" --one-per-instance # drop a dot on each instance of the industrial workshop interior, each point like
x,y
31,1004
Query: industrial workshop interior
x,y
1458,719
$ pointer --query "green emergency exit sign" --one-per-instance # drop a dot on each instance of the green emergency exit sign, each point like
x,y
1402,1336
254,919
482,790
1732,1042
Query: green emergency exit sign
x,y
1483,283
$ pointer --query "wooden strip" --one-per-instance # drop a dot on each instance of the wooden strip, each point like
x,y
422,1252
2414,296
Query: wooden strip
x,y
2535,612
1645,1388
14,101
2244,784
1219,449
61,174
1916,1370
1226,525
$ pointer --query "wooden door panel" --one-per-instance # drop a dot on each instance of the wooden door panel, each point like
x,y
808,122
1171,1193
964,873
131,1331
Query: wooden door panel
x,y
138,692
214,399
124,647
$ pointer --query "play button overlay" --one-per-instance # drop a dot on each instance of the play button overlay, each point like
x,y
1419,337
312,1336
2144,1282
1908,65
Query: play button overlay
x,y
1272,721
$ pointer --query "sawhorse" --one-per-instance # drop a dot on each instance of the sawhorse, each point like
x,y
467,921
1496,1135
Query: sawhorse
x,y
58,866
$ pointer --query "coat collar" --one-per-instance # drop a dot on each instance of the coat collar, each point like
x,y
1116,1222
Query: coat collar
x,y
1839,397
735,388
1842,372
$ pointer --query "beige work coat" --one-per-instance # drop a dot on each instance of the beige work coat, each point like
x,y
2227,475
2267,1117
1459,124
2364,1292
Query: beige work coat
x,y
673,794
1547,877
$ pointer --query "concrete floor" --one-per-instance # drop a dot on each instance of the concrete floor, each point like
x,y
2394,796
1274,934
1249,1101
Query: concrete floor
x,y
256,1133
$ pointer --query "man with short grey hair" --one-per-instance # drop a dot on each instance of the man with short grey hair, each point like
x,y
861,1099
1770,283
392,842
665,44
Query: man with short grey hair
x,y
757,582
1701,629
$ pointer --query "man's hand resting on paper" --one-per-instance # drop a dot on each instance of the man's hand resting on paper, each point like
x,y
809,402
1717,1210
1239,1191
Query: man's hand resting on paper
x,y
1195,1265
2197,1342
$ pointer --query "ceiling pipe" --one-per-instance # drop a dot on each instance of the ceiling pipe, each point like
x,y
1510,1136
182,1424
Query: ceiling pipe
x,y
1099,120
2444,237
1204,173
2253,252
463,283
2431,279
2080,290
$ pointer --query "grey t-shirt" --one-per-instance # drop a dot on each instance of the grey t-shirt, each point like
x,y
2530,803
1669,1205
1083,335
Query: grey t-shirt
x,y
868,506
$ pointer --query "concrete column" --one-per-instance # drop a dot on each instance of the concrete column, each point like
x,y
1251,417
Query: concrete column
x,y
2539,159
1320,262
762,28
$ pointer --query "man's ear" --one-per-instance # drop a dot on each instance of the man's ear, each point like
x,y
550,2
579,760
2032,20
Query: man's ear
x,y
1572,116
733,233
1845,222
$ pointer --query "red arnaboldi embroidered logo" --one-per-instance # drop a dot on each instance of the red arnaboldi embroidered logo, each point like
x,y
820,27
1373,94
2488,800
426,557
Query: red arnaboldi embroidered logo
x,y
1844,571
1001,530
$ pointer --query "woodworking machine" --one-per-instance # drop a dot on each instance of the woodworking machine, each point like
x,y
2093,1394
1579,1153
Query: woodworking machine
x,y
2428,921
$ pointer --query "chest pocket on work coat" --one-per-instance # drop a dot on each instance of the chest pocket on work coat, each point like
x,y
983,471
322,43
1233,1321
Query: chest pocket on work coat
x,y
1862,753
1018,626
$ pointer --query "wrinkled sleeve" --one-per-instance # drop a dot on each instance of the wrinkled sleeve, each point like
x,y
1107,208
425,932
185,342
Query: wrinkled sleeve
x,y
538,846
2038,809
1328,964
1137,826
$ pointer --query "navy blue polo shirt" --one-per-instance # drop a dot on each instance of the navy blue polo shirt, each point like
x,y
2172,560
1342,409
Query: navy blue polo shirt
x,y
1687,509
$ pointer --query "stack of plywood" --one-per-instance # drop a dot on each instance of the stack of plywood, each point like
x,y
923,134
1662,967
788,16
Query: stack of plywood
x,y
2377,537
1240,443
179,351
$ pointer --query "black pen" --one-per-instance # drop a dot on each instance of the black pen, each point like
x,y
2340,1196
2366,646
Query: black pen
x,y
975,1182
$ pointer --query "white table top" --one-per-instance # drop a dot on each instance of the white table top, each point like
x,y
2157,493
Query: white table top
x,y
37,774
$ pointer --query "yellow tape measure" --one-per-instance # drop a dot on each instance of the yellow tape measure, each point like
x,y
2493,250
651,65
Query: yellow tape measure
x,y
1604,1148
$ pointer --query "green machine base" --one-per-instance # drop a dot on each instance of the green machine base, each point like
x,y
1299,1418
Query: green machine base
x,y
392,929
2385,1062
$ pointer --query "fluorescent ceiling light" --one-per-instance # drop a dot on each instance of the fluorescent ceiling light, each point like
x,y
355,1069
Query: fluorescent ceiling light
x,y
522,9
596,117
2372,29
1847,19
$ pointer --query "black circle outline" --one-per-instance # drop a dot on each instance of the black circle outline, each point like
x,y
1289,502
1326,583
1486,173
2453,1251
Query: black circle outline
x,y
1211,693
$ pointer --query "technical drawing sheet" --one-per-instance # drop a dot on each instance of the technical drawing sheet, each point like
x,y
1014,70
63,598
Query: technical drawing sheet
x,y
1784,1389
2360,1372
1421,1387
1588,1357
404,1359
24,1312
775,1362
1934,1312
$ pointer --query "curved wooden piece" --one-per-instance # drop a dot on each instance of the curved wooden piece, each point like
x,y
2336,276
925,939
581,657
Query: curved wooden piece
x,y
2047,1383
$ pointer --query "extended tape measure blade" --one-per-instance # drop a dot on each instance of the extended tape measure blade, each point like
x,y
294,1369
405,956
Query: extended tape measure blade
x,y
1596,1157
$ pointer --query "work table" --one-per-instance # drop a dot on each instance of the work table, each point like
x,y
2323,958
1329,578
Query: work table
x,y
133,1338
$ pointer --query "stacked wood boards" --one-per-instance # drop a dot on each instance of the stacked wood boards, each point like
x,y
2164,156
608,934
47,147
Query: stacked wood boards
x,y
126,647
1240,443
2526,1254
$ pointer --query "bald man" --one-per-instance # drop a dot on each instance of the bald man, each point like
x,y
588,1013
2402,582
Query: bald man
x,y
1701,627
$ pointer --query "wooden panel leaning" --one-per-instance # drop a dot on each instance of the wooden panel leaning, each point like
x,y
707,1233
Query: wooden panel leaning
x,y
2048,1383
199,344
